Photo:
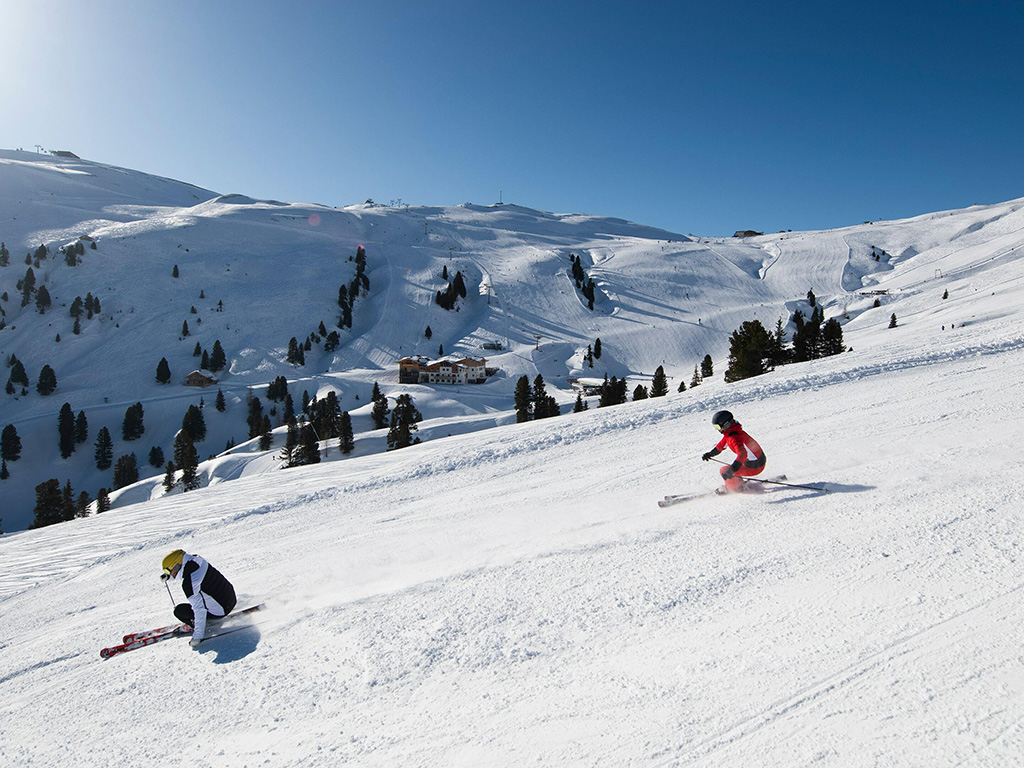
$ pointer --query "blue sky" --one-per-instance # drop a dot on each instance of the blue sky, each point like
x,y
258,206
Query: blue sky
x,y
700,118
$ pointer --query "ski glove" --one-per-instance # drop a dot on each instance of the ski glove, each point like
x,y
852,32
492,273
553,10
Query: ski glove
x,y
708,456
195,642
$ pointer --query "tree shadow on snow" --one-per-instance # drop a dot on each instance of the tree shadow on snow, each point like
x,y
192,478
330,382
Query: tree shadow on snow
x,y
232,646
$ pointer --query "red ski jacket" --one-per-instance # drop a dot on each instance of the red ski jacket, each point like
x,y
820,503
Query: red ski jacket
x,y
739,442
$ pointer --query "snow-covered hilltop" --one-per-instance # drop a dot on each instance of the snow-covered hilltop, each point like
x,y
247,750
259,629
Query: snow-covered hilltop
x,y
513,595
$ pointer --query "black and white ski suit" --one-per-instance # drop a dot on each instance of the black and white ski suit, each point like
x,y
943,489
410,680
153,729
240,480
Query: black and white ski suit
x,y
209,594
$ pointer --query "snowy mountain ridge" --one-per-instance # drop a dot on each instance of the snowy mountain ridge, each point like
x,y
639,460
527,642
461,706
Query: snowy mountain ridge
x,y
255,273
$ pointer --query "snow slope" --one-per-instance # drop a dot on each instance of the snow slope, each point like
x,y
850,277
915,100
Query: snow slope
x,y
514,595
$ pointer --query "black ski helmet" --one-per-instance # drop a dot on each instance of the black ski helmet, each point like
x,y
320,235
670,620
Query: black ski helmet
x,y
722,420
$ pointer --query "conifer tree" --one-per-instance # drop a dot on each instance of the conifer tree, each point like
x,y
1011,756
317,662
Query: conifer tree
x,y
404,418
580,405
291,442
217,357
82,505
346,438
892,320
640,393
163,371
523,399
43,300
777,352
76,309
428,333
659,384
308,449
379,414
597,349
197,350
126,471
187,460
28,285
266,434
102,500
81,428
66,430
132,428
49,506
544,405
194,424
17,375
68,508
750,348
204,361
10,444
156,456
47,381
707,367
175,272
169,477
5,255
184,328
220,403
682,386
832,338
104,453
255,418
4,472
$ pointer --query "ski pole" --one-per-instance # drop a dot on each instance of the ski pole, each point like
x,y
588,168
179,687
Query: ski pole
x,y
169,594
775,482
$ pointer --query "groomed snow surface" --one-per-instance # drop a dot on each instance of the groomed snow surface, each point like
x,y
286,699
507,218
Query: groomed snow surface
x,y
516,597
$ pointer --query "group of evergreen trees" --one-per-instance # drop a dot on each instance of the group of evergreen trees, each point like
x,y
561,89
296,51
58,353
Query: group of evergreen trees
x,y
456,290
89,306
213,361
585,285
347,294
753,349
55,504
534,403
46,384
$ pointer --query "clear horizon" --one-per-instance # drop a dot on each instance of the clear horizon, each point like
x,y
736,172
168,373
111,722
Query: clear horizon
x,y
696,119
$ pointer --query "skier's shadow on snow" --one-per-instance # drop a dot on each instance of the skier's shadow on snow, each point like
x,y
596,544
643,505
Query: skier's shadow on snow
x,y
232,647
830,487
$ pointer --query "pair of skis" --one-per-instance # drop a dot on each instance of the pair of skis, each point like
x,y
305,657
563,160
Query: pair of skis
x,y
135,640
679,498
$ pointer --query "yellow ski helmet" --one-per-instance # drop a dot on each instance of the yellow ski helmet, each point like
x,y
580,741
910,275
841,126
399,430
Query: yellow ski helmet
x,y
171,563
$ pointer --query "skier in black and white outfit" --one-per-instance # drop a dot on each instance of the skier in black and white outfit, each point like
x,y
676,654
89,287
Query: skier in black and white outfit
x,y
210,596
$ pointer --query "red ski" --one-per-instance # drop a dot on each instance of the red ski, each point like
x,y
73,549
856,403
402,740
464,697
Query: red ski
x,y
142,642
135,640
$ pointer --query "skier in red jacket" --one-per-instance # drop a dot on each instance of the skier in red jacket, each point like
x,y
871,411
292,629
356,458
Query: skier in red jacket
x,y
750,459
